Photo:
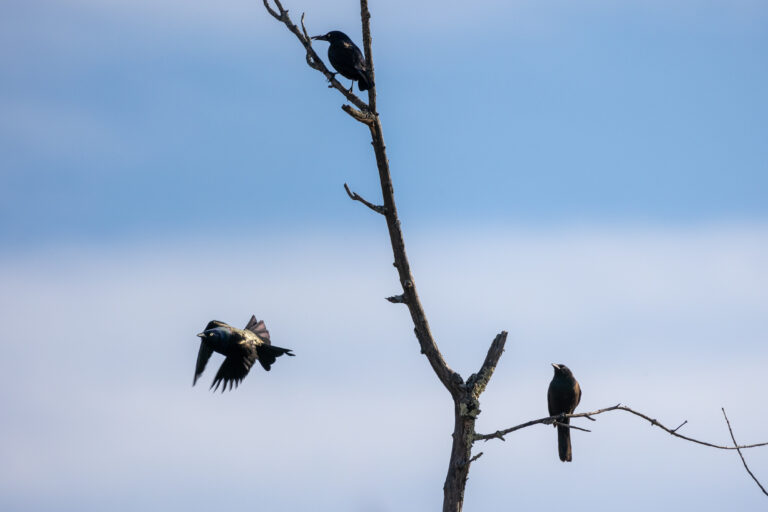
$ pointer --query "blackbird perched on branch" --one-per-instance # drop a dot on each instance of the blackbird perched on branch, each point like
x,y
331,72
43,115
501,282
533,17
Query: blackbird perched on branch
x,y
347,59
563,396
242,347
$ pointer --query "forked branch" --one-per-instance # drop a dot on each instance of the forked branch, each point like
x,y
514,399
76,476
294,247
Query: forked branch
x,y
738,449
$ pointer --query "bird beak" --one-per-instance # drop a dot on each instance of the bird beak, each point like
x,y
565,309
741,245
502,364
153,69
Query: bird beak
x,y
201,335
320,38
555,366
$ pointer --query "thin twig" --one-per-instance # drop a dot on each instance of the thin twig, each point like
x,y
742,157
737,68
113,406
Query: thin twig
x,y
679,426
568,425
397,299
499,434
303,28
474,458
356,197
738,449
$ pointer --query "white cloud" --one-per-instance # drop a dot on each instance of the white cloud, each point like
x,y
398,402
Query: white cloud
x,y
99,351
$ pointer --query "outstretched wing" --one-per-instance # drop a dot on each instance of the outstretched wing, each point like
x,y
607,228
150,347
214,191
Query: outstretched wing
x,y
234,368
258,328
202,358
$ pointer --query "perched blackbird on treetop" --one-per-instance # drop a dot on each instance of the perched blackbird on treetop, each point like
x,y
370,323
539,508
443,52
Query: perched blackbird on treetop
x,y
347,59
242,347
563,396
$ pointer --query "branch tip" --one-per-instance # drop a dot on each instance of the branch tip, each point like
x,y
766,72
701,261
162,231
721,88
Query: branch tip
x,y
304,29
356,197
473,459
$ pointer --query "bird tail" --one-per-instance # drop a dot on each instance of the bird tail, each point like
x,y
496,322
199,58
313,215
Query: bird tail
x,y
564,442
366,81
268,353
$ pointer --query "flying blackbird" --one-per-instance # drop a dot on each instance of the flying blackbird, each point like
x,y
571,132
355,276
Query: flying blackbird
x,y
563,396
242,347
347,59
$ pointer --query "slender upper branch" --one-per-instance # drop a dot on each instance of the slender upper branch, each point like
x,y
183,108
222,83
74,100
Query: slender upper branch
x,y
367,114
449,378
365,17
499,434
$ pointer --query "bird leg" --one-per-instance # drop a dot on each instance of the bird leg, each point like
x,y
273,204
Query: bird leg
x,y
351,86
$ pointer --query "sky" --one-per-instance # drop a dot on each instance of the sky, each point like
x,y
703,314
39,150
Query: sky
x,y
589,176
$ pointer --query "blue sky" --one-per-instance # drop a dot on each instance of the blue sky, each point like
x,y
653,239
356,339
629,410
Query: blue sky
x,y
589,176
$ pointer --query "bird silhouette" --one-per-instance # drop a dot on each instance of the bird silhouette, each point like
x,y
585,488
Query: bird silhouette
x,y
347,59
242,347
563,396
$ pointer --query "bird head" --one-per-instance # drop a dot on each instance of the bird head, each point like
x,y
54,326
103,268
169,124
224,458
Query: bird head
x,y
214,331
562,369
333,36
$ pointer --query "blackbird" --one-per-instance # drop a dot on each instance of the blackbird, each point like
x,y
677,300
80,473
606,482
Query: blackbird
x,y
563,396
347,59
242,347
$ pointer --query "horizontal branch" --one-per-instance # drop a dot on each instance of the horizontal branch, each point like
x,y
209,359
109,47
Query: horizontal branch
x,y
356,197
499,434
313,60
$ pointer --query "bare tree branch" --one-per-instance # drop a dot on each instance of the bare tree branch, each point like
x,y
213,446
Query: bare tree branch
x,y
356,197
477,382
738,449
363,116
499,434
465,395
365,17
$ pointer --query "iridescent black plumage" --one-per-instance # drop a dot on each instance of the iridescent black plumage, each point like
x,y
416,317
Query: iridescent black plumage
x,y
347,59
563,396
242,347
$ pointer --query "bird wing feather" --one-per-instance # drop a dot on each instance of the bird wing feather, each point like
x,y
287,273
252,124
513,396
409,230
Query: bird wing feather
x,y
234,368
347,59
578,397
202,359
258,328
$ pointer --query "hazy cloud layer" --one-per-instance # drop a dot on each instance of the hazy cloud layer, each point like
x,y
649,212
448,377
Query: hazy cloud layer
x,y
99,350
